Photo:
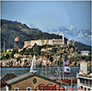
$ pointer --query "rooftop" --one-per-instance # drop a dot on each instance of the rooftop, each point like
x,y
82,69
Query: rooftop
x,y
68,81
86,75
8,77
26,76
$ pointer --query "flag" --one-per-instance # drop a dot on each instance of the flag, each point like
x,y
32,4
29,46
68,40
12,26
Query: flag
x,y
66,70
66,62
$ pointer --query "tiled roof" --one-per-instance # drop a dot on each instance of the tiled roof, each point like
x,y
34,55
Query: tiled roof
x,y
26,76
19,78
8,77
68,81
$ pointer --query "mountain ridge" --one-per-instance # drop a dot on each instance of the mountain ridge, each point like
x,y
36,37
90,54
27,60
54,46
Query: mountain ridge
x,y
10,30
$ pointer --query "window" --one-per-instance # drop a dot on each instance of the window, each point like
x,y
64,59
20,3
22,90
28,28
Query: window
x,y
28,88
81,87
85,89
88,89
16,89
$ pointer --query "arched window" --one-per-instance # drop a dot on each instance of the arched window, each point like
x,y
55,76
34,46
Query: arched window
x,y
29,89
82,87
88,89
85,89
16,89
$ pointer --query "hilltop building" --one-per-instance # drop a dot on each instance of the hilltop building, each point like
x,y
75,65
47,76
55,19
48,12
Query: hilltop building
x,y
42,42
16,43
53,41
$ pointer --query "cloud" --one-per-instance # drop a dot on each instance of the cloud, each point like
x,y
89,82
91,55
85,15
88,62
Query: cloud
x,y
33,26
80,34
71,27
72,33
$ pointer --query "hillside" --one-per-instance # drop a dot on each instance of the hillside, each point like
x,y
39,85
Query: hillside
x,y
82,47
11,29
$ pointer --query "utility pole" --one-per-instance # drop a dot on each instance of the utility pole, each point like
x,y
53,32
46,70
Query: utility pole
x,y
46,58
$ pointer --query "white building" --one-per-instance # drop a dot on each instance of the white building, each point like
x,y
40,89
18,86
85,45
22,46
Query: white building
x,y
85,53
84,80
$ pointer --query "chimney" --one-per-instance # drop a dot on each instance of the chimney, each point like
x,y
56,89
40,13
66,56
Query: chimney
x,y
83,67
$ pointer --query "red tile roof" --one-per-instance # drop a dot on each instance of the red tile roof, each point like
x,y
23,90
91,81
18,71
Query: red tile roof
x,y
68,81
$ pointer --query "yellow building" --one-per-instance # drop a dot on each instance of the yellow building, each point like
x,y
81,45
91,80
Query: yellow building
x,y
28,81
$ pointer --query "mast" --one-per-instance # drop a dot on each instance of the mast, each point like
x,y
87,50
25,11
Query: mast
x,y
63,68
56,66
46,58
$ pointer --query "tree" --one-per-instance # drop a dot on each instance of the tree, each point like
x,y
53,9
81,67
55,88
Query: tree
x,y
51,59
7,56
75,63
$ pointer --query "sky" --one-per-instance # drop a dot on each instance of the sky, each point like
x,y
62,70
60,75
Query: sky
x,y
48,16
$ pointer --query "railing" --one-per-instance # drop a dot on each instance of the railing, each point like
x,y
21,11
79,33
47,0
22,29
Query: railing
x,y
89,85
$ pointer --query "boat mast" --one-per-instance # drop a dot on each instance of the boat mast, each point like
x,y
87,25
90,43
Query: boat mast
x,y
63,68
46,58
56,66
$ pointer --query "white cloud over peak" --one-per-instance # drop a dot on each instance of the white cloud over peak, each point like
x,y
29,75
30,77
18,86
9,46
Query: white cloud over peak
x,y
80,34
71,27
73,33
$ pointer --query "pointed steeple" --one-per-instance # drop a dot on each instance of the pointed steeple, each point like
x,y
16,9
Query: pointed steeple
x,y
33,65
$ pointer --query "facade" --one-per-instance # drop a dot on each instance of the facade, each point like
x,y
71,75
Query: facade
x,y
29,81
84,80
85,53
42,42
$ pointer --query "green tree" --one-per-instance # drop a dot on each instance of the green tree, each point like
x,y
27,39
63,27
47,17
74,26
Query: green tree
x,y
75,63
7,56
51,59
